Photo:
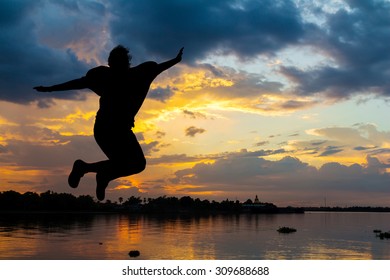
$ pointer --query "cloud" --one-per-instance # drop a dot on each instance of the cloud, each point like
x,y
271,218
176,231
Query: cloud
x,y
238,171
361,148
357,141
355,38
184,158
384,151
52,42
3,149
317,143
226,68
290,176
261,143
169,159
330,150
244,28
48,42
151,147
259,153
361,134
160,134
192,131
194,115
240,90
51,156
161,94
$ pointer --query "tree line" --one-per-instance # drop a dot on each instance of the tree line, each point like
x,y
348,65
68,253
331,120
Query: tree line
x,y
62,202
52,201
47,201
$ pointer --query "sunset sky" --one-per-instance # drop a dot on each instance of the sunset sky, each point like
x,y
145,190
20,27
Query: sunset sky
x,y
287,100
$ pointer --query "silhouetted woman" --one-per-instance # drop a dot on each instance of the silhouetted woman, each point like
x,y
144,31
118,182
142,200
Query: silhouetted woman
x,y
122,90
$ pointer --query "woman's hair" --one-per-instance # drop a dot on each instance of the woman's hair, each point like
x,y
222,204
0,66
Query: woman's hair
x,y
119,58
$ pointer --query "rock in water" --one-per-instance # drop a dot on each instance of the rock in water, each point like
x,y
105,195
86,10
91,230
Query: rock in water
x,y
134,254
286,230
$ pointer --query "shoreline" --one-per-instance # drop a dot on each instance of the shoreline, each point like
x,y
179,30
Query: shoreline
x,y
277,211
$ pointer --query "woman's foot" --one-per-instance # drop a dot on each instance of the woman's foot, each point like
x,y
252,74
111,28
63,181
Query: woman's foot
x,y
77,172
101,185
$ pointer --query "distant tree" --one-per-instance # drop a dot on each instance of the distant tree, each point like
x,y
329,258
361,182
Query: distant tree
x,y
86,202
131,201
249,201
30,201
58,201
10,200
186,202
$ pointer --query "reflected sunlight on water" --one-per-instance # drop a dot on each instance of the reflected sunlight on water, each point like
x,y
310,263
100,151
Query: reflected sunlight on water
x,y
112,236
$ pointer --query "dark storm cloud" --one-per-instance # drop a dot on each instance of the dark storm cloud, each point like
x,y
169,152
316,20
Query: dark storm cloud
x,y
25,62
12,11
245,28
36,66
39,41
358,40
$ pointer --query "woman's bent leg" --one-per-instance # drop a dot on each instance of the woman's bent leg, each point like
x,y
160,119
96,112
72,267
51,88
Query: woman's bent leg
x,y
125,157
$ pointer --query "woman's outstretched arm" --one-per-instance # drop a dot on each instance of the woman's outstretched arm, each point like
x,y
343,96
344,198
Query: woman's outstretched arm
x,y
168,64
70,85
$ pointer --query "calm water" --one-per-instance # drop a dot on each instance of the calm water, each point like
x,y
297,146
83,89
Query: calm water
x,y
104,236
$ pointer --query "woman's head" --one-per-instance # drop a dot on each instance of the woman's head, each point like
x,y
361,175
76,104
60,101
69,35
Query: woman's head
x,y
119,58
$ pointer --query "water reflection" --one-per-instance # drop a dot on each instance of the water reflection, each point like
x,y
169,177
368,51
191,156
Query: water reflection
x,y
25,236
112,236
176,238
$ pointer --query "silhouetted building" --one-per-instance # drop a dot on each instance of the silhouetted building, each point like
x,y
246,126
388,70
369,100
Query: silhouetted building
x,y
259,207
